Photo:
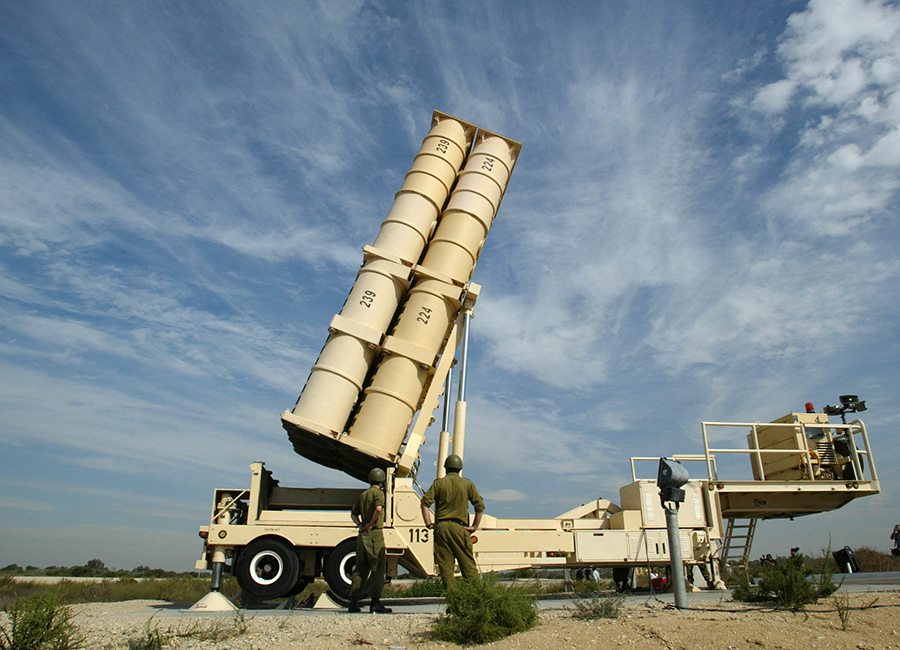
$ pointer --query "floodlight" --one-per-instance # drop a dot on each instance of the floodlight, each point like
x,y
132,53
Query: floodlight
x,y
672,475
849,404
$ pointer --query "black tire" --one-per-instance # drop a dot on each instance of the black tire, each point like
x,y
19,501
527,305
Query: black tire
x,y
267,568
339,570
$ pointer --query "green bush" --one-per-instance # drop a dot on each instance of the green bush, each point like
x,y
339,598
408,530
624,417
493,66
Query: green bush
x,y
481,611
789,584
219,629
599,606
178,590
39,623
429,588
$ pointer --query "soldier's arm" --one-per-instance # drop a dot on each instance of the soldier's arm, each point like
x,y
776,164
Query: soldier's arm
x,y
426,515
375,516
354,515
476,501
427,500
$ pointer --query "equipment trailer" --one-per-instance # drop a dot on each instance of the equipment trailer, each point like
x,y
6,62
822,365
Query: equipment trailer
x,y
378,380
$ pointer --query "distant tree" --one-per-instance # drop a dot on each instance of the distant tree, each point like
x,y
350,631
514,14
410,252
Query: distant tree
x,y
32,568
12,568
96,564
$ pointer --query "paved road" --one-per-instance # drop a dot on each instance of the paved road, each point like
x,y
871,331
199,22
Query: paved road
x,y
861,582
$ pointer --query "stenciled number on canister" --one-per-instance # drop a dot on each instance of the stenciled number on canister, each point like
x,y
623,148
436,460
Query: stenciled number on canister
x,y
443,145
367,299
424,315
488,164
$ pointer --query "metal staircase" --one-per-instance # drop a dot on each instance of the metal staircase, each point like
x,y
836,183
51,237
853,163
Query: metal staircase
x,y
738,540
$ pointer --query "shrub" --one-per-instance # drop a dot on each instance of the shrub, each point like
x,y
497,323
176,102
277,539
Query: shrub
x,y
871,559
429,588
217,630
788,584
153,639
481,611
599,606
180,590
39,623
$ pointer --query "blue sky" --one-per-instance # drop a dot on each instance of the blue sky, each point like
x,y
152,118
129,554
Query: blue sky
x,y
702,224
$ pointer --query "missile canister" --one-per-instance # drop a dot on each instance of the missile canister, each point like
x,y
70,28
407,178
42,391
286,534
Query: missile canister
x,y
411,351
356,334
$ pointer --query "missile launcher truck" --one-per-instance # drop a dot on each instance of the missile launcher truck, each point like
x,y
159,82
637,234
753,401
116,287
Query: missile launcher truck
x,y
379,379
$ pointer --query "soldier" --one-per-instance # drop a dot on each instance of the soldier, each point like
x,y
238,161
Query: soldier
x,y
370,554
451,496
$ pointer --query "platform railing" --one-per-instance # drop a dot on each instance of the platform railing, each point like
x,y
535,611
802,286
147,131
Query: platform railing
x,y
850,432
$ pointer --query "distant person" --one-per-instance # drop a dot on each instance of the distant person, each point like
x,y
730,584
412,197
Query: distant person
x,y
451,496
895,535
371,559
770,561
658,582
595,575
579,574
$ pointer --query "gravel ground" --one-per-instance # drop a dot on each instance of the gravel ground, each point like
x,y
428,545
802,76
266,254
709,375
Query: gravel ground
x,y
874,623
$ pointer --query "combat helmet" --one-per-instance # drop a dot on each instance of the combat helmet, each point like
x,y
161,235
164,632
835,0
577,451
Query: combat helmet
x,y
376,476
453,462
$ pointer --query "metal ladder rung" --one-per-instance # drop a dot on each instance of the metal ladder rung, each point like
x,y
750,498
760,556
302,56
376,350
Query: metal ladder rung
x,y
740,551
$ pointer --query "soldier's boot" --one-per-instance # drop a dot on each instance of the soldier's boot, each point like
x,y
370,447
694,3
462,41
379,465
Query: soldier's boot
x,y
353,606
377,608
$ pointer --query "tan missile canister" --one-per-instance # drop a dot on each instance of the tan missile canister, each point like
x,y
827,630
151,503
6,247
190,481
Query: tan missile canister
x,y
356,334
471,210
412,349
410,222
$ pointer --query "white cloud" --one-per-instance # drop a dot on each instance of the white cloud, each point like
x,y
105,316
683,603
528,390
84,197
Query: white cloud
x,y
842,57
506,494
775,97
30,505
885,152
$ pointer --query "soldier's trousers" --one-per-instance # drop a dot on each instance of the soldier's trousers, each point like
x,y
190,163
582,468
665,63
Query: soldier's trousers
x,y
370,559
453,543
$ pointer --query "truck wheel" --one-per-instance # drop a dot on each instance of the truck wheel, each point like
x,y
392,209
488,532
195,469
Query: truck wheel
x,y
339,569
267,568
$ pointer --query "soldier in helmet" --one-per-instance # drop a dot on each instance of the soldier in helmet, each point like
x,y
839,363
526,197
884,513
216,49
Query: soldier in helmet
x,y
451,496
368,515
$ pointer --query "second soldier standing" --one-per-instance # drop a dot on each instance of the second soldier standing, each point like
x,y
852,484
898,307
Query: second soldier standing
x,y
451,496
368,515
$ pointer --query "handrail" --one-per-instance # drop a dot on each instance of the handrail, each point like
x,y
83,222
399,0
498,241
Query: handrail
x,y
841,431
678,457
849,433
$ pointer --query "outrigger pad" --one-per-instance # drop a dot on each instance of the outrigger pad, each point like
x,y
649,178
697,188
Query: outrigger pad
x,y
214,601
325,601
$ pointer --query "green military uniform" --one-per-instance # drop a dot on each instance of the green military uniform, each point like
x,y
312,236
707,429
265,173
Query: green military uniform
x,y
370,554
451,496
